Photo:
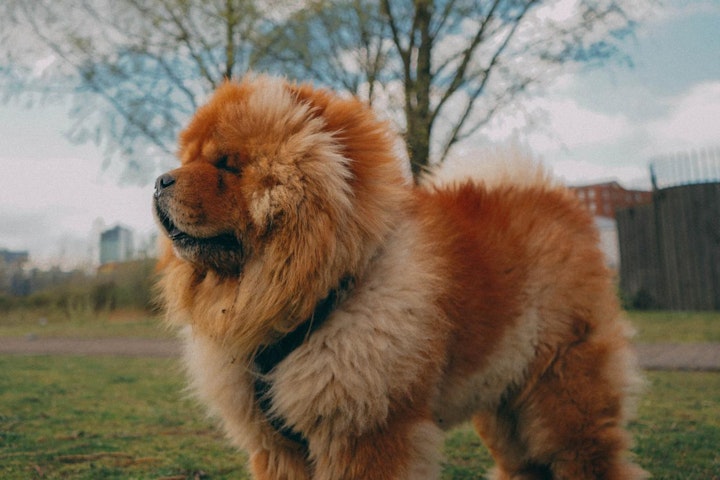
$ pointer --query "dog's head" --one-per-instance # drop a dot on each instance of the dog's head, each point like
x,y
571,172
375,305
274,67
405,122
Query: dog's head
x,y
246,159
284,186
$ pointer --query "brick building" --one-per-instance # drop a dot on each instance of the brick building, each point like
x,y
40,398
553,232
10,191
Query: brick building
x,y
603,199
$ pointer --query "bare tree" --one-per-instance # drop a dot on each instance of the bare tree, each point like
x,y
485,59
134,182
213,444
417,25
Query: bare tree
x,y
136,69
337,43
456,62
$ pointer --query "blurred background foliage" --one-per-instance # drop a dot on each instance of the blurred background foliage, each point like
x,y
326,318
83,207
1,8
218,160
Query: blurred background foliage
x,y
120,286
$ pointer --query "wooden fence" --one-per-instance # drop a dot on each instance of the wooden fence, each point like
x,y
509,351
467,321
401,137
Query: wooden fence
x,y
670,249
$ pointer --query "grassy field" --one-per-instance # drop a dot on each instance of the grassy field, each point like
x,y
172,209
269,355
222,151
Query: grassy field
x,y
681,327
111,418
81,324
104,418
652,327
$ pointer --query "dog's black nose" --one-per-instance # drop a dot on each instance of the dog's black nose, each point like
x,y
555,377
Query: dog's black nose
x,y
163,181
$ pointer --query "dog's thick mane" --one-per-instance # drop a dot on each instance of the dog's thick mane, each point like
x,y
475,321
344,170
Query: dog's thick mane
x,y
329,147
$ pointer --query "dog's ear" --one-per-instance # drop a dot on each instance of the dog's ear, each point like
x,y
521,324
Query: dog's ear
x,y
278,194
316,99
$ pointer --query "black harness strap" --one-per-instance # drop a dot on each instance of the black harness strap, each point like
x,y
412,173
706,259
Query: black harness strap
x,y
272,355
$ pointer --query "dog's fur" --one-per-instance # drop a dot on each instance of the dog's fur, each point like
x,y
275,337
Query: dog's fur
x,y
478,297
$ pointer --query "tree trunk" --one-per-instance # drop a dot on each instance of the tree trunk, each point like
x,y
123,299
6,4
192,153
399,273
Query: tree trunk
x,y
230,38
417,101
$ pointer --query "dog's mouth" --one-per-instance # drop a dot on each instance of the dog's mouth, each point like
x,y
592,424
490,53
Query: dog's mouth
x,y
223,253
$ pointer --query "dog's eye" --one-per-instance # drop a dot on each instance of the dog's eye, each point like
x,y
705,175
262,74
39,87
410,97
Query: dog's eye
x,y
223,163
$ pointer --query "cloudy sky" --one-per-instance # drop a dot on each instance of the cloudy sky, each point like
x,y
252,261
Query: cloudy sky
x,y
590,126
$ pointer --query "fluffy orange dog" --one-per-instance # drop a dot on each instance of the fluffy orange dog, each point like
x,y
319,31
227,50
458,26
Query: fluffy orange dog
x,y
339,319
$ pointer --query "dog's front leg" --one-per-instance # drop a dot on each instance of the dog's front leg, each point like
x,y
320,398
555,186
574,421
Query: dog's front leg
x,y
359,391
406,448
280,463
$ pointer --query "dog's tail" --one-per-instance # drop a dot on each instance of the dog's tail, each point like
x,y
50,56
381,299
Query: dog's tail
x,y
491,167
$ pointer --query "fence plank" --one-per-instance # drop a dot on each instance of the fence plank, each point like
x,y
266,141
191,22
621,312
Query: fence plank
x,y
670,250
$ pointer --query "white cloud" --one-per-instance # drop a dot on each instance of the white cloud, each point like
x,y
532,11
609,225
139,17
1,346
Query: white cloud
x,y
693,121
560,11
584,145
549,125
576,126
42,65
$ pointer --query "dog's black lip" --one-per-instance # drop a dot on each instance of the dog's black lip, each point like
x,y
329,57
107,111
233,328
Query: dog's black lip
x,y
181,238
170,229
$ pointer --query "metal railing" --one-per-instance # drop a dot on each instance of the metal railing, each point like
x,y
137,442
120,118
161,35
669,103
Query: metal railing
x,y
685,168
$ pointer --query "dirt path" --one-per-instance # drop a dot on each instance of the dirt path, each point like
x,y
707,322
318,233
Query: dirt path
x,y
679,356
704,356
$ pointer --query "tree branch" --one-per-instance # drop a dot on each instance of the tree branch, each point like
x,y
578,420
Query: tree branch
x,y
186,38
404,54
459,77
444,16
486,73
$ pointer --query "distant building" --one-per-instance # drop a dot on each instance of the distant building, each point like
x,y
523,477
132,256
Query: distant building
x,y
604,199
11,258
12,279
116,245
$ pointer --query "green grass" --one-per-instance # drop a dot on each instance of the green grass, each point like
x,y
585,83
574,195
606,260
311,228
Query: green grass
x,y
112,418
678,427
104,418
652,327
681,327
81,324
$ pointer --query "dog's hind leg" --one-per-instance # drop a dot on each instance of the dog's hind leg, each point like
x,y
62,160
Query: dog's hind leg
x,y
499,430
575,415
570,424
569,421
